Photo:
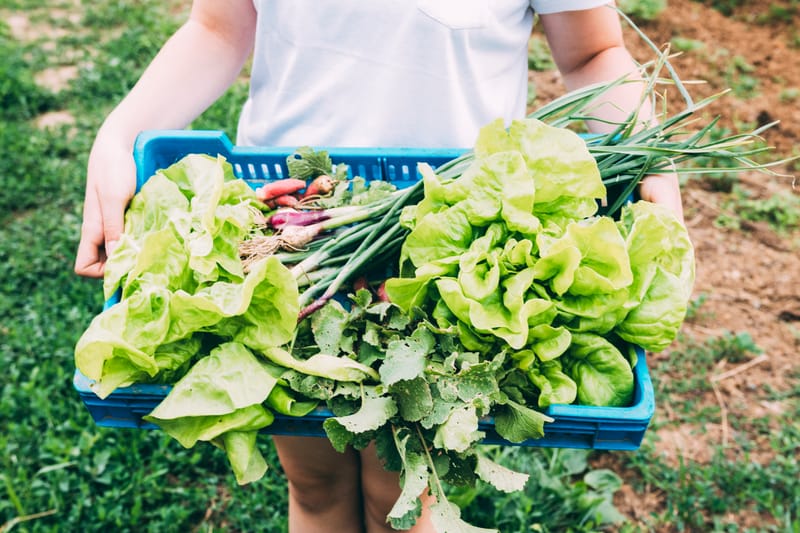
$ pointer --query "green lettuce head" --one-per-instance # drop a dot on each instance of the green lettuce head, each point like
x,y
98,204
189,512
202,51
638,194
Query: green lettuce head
x,y
662,259
603,375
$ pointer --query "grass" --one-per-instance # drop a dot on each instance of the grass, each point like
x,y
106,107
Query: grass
x,y
703,497
755,477
780,210
726,7
61,472
643,9
563,494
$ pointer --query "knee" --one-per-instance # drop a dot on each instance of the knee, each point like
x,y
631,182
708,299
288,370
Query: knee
x,y
319,477
317,492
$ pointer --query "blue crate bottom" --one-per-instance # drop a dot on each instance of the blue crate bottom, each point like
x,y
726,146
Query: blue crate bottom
x,y
574,426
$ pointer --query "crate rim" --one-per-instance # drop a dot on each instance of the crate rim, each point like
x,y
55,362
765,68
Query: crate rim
x,y
218,142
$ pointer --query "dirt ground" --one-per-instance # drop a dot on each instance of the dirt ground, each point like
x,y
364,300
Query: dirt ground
x,y
750,278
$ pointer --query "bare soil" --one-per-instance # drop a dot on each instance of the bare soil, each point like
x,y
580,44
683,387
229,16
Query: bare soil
x,y
749,277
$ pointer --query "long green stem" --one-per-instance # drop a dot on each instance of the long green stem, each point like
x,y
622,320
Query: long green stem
x,y
624,156
356,261
342,240
438,488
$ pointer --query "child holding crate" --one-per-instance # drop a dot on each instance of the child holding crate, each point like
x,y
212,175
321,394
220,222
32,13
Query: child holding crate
x,y
354,73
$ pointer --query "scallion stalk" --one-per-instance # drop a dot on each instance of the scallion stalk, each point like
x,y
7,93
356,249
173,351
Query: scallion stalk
x,y
367,234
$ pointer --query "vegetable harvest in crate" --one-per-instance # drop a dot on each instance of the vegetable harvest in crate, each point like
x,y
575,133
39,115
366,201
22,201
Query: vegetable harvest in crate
x,y
491,288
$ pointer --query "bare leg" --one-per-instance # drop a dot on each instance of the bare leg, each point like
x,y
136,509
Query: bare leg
x,y
324,485
381,489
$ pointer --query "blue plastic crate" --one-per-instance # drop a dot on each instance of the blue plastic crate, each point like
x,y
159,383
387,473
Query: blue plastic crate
x,y
574,426
159,149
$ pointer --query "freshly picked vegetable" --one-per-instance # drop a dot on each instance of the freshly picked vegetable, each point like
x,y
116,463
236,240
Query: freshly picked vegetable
x,y
510,286
510,255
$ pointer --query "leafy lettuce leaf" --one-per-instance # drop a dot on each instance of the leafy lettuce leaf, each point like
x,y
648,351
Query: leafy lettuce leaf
x,y
229,378
555,387
662,257
603,375
220,399
589,258
567,180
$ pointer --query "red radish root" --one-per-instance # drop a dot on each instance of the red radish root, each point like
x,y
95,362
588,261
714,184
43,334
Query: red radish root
x,y
320,186
278,188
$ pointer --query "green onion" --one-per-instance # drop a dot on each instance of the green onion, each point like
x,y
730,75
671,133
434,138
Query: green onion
x,y
372,233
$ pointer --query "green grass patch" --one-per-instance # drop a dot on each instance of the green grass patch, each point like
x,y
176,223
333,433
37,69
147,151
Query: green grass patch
x,y
789,94
739,76
781,211
726,7
684,44
20,97
562,494
779,13
756,475
714,496
643,9
539,57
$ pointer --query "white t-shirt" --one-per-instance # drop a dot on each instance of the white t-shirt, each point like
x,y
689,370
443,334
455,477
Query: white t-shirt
x,y
358,73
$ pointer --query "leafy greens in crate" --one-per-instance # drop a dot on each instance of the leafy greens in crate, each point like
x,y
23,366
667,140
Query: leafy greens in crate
x,y
513,294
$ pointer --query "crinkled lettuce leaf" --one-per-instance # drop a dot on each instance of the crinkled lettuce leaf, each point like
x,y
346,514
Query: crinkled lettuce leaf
x,y
506,313
662,257
260,312
549,342
603,375
555,387
497,186
437,236
654,235
124,337
565,174
207,209
589,258
655,322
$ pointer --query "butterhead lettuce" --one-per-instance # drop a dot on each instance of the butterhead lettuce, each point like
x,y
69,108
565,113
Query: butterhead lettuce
x,y
512,256
662,257
181,291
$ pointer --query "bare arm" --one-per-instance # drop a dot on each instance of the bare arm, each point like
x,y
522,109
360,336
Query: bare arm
x,y
193,68
588,47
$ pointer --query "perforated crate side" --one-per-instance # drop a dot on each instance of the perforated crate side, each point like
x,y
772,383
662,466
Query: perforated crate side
x,y
158,149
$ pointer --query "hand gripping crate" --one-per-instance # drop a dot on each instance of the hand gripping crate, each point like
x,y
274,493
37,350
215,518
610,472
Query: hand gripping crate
x,y
574,426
